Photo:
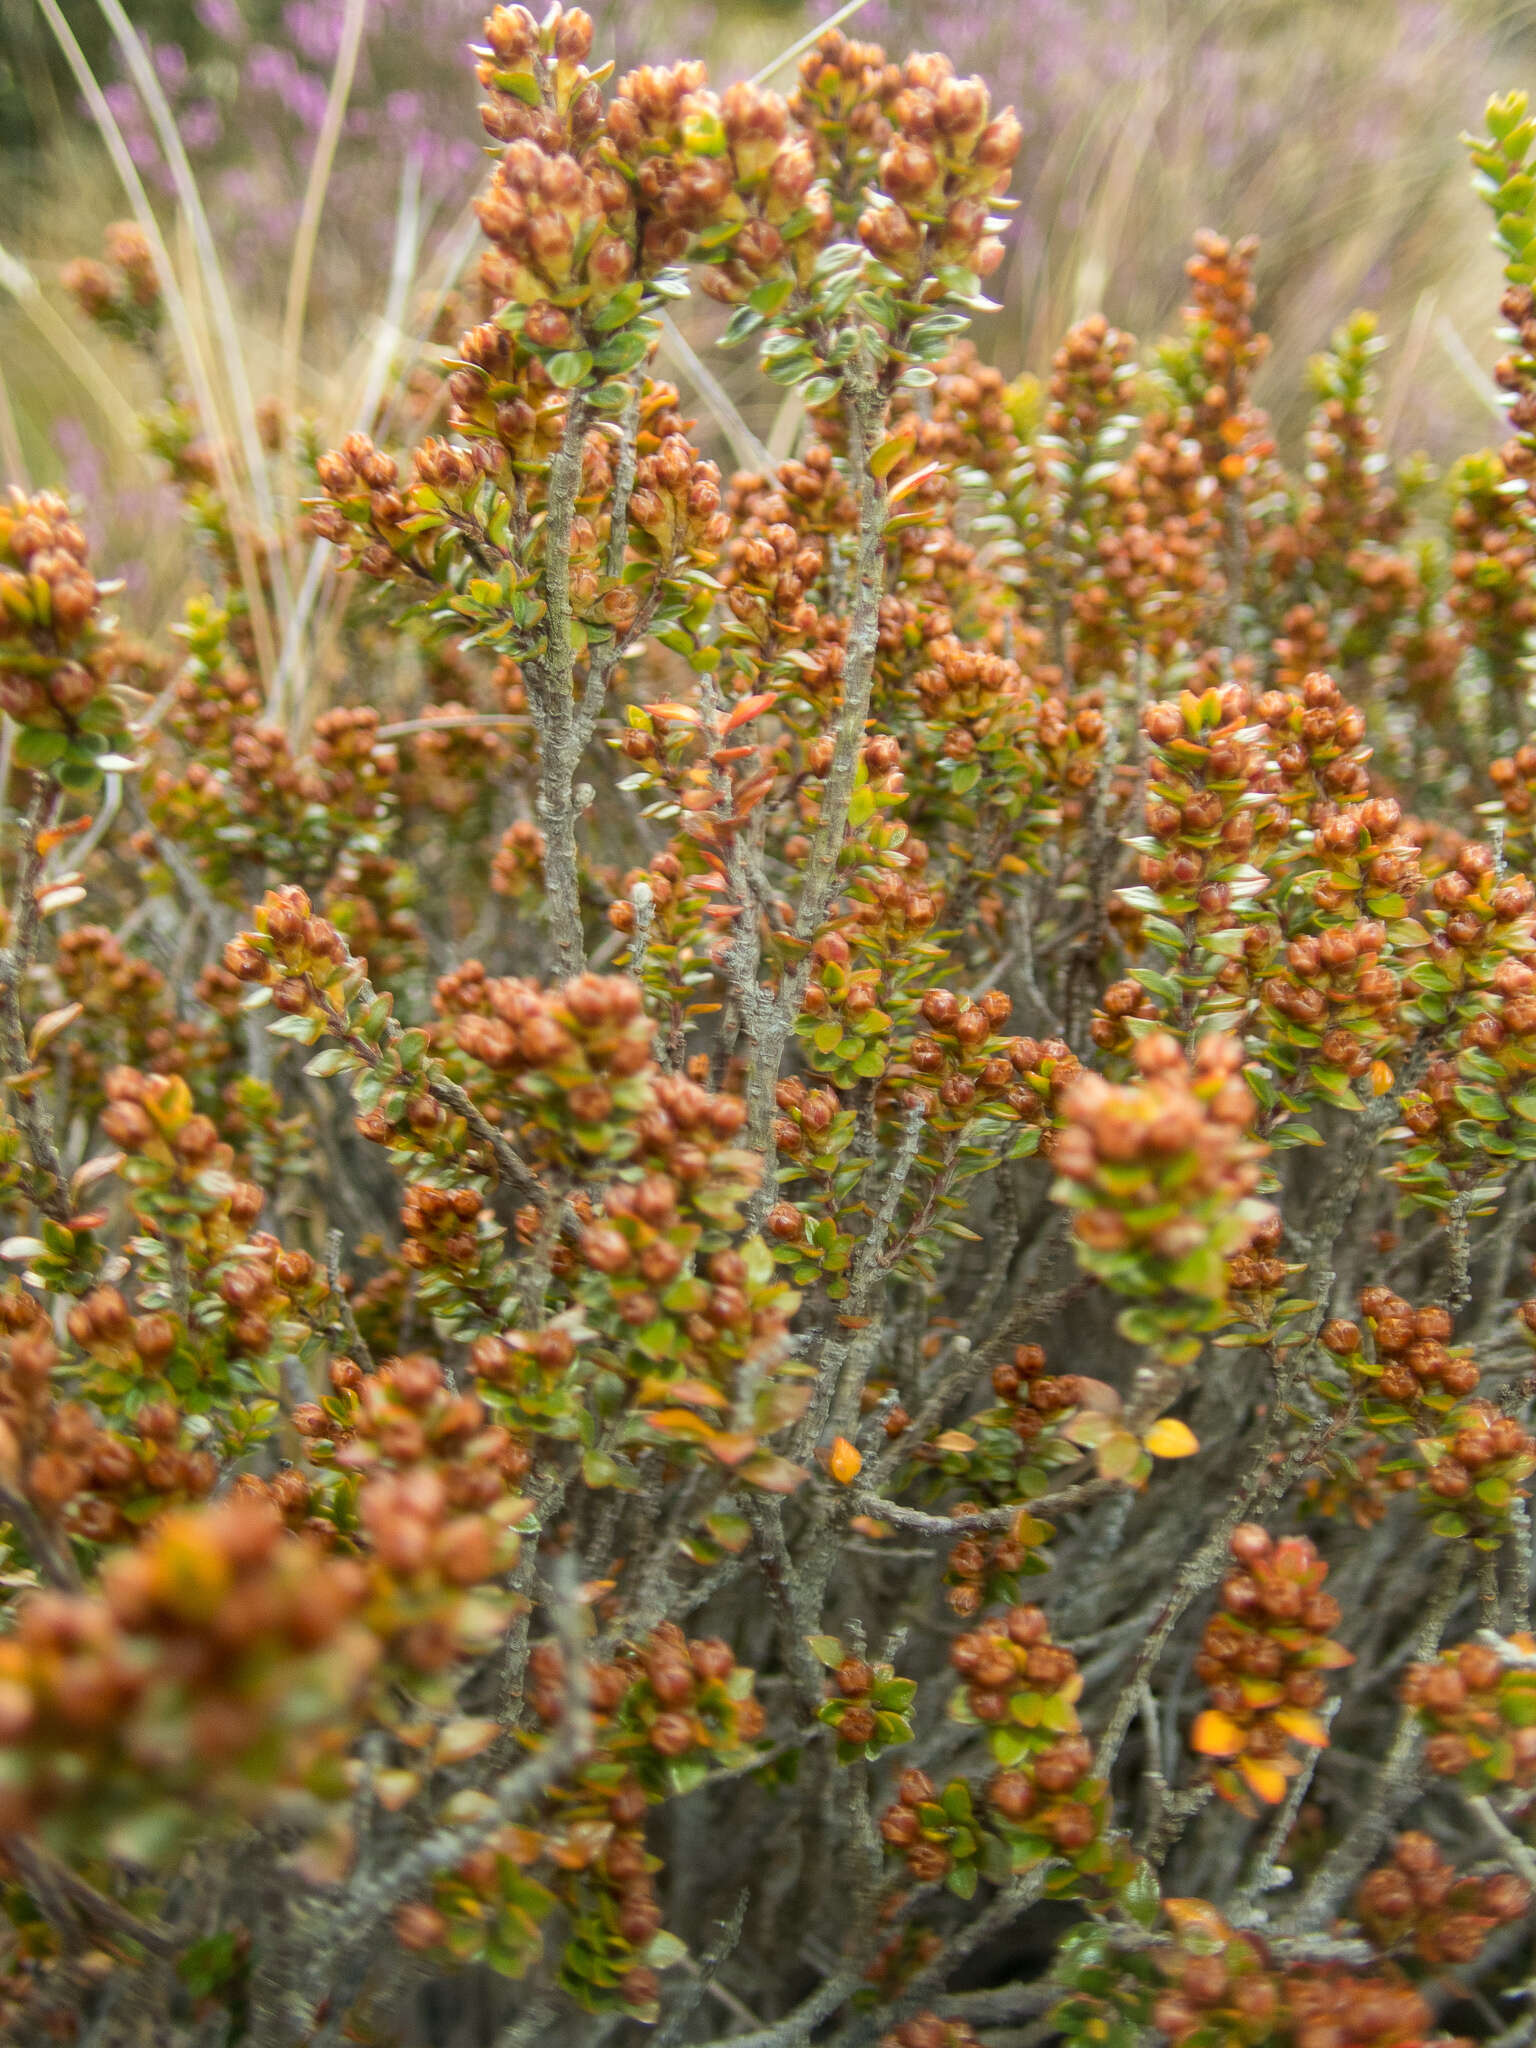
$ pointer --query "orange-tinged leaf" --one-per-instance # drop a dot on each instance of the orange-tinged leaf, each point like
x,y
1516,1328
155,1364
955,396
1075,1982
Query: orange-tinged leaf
x,y
49,1025
519,1845
1196,1915
693,1393
680,1422
1265,1780
732,1447
954,1440
1171,1438
47,842
844,1462
910,483
1216,1734
749,707
774,1474
866,1525
1327,1656
1381,1077
894,450
1305,1727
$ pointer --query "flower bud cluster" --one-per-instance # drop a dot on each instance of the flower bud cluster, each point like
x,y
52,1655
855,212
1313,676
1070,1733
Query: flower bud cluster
x,y
1199,886
1160,1177
177,1166
1419,1901
1262,1660
126,1003
437,1505
948,158
81,1478
1475,986
962,1059
665,1709
927,2030
937,1835
1492,563
1469,1461
866,1703
759,172
985,1568
218,1662
1023,1689
1030,1399
1479,1715
1477,1457
1222,351
122,293
1157,566
59,654
1514,777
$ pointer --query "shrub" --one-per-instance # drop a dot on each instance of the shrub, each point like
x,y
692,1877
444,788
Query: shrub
x,y
581,1221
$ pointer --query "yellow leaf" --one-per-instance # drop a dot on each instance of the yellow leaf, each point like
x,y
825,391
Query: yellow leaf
x,y
844,1464
1265,1780
1216,1734
1305,1727
954,1440
394,1789
1171,1439
460,1740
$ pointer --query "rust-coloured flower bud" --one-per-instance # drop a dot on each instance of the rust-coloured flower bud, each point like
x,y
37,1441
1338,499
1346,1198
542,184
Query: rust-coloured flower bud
x,y
418,1926
915,1788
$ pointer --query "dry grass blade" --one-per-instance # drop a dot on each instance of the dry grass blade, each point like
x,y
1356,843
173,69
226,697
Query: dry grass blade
x,y
231,351
194,362
301,266
115,405
297,666
807,41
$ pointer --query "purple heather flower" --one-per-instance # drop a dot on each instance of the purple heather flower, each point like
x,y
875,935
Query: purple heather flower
x,y
223,19
171,64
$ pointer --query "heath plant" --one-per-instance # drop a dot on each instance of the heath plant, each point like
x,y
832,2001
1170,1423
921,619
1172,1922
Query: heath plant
x,y
795,1047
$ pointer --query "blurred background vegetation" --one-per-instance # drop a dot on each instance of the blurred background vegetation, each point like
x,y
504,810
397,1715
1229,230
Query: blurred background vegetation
x,y
1330,128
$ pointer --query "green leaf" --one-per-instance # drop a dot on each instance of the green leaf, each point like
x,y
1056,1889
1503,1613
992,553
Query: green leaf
x,y
956,1800
572,366
664,1951
625,351
771,295
35,747
334,1060
1140,1894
